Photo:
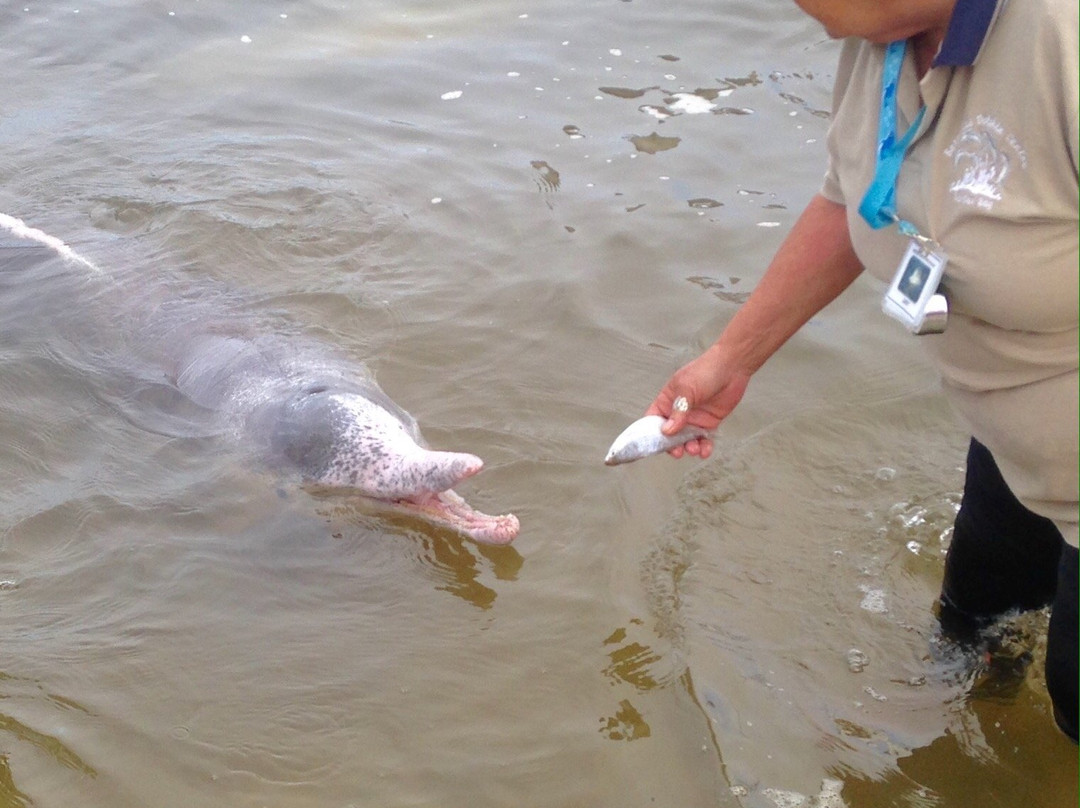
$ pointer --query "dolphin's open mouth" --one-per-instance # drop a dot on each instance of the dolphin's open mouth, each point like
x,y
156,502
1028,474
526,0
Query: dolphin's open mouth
x,y
450,510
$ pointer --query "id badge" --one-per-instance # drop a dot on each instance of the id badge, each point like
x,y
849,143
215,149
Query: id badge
x,y
913,296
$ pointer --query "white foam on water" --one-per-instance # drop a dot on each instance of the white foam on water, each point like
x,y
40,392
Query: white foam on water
x,y
828,797
19,228
691,104
874,600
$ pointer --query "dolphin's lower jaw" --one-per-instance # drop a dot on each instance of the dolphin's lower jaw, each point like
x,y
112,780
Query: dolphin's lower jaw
x,y
420,486
450,510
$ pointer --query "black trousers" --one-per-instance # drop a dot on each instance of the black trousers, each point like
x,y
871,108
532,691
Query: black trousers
x,y
1003,557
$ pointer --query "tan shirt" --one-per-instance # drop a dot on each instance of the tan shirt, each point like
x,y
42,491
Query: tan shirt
x,y
992,177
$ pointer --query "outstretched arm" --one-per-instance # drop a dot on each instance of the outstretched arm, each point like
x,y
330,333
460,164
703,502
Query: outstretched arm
x,y
815,263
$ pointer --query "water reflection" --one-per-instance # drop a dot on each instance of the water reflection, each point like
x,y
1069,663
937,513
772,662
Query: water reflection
x,y
630,664
458,565
10,796
980,755
547,178
627,92
702,100
651,144
52,746
461,568
723,289
626,725
20,690
630,661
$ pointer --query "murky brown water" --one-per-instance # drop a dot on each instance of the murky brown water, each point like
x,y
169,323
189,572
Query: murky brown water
x,y
521,217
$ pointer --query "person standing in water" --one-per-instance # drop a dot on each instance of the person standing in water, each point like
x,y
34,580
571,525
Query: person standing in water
x,y
952,176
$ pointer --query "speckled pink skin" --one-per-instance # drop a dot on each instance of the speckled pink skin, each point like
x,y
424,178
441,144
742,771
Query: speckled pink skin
x,y
362,442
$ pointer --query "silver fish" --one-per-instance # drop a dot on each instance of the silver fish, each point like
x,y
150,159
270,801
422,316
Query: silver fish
x,y
643,438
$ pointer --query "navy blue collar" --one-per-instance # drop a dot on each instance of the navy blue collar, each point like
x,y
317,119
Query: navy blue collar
x,y
968,27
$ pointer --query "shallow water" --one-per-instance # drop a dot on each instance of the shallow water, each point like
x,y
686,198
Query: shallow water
x,y
520,218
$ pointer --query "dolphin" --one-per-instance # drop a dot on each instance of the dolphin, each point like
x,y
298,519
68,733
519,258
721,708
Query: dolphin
x,y
290,397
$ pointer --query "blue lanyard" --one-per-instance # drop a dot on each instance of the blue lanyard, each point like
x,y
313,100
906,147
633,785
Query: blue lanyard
x,y
878,206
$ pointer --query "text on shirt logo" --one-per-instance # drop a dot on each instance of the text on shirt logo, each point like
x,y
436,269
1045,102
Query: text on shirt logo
x,y
983,154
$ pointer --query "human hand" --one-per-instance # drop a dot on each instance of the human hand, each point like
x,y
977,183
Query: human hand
x,y
710,390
